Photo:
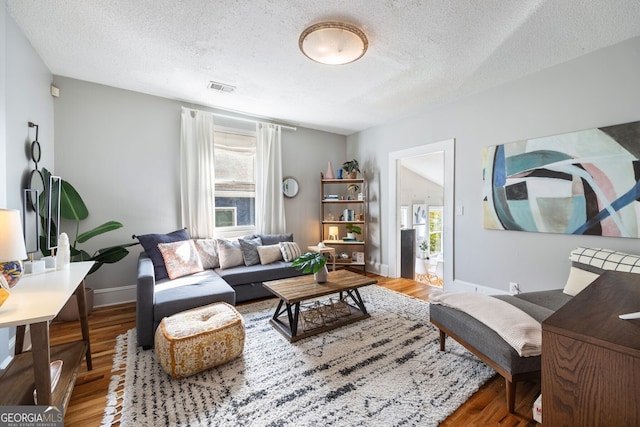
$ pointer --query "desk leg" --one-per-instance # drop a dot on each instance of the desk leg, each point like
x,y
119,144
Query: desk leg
x,y
41,361
20,330
84,322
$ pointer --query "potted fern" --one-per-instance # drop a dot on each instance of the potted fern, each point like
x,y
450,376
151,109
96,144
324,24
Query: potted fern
x,y
312,262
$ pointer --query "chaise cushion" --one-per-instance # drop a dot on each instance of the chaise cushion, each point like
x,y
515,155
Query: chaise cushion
x,y
183,293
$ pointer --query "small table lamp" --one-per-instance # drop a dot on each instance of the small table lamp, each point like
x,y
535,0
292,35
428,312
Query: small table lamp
x,y
12,248
333,233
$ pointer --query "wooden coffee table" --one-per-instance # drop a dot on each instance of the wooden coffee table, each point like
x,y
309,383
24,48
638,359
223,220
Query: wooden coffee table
x,y
344,307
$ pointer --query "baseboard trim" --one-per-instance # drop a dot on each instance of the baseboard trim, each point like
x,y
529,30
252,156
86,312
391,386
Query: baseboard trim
x,y
112,296
462,286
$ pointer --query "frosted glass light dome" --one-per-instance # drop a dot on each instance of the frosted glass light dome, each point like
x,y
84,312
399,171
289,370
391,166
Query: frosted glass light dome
x,y
333,43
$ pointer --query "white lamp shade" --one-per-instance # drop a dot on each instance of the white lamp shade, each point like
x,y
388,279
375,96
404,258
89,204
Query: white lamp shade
x,y
12,246
333,232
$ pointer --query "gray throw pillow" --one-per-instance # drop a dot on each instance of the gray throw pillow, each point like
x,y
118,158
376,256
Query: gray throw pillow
x,y
274,239
249,249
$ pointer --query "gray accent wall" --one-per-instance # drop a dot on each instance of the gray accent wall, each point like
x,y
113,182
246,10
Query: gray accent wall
x,y
599,89
24,97
120,150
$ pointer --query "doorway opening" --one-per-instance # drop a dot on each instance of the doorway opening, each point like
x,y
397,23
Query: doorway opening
x,y
421,203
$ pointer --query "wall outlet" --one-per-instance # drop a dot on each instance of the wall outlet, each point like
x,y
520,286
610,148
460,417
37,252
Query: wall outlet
x,y
514,288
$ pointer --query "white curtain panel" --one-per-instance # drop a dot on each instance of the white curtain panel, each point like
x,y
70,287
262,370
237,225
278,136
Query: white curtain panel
x,y
197,174
269,198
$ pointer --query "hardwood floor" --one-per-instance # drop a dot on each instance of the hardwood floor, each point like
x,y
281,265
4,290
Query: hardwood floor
x,y
487,407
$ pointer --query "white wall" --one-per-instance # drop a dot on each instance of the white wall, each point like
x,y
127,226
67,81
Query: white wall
x,y
24,97
599,89
120,150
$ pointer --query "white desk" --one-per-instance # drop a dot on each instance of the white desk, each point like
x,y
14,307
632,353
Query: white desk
x,y
35,301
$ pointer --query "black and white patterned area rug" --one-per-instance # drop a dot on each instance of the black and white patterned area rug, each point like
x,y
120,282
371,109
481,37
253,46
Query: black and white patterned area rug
x,y
386,370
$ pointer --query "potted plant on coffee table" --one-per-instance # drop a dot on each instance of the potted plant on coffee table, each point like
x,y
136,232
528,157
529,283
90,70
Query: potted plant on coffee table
x,y
312,262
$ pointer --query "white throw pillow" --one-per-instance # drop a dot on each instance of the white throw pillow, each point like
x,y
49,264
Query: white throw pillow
x,y
578,280
269,254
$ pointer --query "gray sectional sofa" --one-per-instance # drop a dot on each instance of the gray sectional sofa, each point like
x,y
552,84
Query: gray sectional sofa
x,y
157,298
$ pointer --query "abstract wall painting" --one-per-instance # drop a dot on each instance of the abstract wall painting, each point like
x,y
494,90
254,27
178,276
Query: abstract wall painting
x,y
585,183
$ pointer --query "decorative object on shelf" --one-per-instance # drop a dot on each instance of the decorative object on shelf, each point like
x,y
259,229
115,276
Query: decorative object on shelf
x,y
339,173
329,174
352,230
73,208
333,43
344,255
348,215
12,248
63,257
290,187
334,233
352,189
352,168
330,216
312,262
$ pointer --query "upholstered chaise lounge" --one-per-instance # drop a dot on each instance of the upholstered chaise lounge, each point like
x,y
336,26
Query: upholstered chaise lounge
x,y
586,266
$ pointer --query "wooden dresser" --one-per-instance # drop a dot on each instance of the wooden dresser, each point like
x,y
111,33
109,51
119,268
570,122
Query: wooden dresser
x,y
591,358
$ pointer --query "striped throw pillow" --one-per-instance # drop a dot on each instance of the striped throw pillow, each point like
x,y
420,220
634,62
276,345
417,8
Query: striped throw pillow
x,y
290,251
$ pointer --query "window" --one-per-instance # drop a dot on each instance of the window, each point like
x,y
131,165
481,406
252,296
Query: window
x,y
235,191
435,230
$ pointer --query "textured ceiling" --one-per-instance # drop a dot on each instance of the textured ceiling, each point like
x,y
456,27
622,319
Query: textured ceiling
x,y
420,52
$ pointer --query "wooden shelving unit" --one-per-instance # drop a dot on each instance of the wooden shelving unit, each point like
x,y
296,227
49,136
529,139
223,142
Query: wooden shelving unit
x,y
332,207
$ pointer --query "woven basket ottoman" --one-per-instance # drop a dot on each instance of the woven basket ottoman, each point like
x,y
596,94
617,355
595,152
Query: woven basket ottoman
x,y
199,339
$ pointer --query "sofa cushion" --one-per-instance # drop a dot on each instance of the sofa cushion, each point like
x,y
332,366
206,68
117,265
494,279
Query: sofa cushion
x,y
229,253
274,239
180,258
290,251
486,341
208,252
249,248
184,293
269,253
553,299
150,244
257,273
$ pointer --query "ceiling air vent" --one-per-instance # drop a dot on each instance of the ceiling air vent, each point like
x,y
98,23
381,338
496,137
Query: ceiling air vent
x,y
221,87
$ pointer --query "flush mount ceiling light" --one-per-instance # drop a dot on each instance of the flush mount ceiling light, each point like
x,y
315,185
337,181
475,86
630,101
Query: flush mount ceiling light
x,y
333,43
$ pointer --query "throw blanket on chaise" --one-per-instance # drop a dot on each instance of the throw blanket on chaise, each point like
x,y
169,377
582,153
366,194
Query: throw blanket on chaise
x,y
516,327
